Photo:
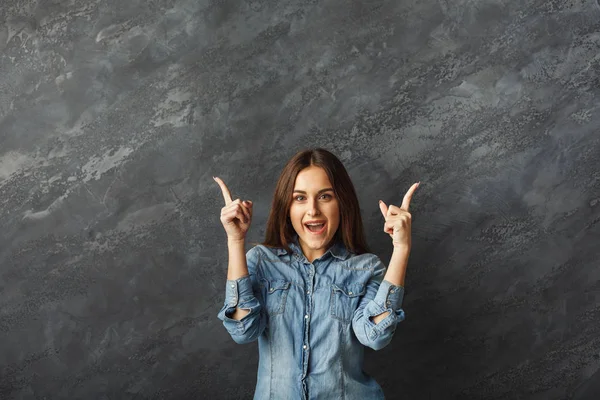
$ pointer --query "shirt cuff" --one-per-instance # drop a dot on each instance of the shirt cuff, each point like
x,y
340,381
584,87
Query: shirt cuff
x,y
389,296
238,291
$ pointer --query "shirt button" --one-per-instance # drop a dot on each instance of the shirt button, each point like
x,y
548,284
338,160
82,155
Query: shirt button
x,y
271,289
388,303
349,292
304,347
308,292
232,285
306,316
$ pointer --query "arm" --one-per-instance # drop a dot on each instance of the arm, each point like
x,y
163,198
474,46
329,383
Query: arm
x,y
242,313
379,311
395,273
237,268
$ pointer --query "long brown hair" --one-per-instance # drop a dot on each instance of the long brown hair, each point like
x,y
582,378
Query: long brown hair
x,y
280,232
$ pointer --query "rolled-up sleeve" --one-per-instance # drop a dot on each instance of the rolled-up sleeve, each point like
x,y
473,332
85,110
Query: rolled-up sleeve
x,y
380,296
243,293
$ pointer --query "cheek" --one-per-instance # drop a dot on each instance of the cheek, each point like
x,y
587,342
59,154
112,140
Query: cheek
x,y
294,217
333,213
337,223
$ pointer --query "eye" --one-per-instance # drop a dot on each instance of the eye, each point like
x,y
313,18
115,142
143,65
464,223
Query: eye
x,y
328,196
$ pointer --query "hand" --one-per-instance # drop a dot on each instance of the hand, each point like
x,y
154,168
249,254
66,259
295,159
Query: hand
x,y
398,220
236,216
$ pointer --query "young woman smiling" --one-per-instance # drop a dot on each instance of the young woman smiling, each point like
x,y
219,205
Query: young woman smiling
x,y
311,293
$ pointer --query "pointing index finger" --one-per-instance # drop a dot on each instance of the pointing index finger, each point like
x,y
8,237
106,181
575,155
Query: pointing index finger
x,y
408,196
224,189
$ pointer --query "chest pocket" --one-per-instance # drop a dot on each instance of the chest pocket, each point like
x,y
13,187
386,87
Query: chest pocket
x,y
345,299
276,292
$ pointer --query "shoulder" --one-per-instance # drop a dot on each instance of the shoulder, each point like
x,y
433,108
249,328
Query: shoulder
x,y
365,261
260,251
262,260
369,263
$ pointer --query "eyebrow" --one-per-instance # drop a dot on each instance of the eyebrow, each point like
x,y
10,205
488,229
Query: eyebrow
x,y
319,192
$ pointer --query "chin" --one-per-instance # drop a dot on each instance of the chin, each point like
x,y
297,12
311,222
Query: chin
x,y
321,241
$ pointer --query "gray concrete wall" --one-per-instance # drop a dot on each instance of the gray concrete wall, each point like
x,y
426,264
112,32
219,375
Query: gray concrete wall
x,y
114,116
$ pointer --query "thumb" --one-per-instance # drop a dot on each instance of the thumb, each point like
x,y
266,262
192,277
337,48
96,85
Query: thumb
x,y
248,202
383,208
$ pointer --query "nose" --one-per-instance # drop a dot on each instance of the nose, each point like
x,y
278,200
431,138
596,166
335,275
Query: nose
x,y
313,209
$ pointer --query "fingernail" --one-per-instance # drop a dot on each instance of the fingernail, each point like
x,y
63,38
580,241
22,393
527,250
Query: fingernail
x,y
380,201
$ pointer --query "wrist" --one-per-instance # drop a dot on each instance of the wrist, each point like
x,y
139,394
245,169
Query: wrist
x,y
402,248
236,240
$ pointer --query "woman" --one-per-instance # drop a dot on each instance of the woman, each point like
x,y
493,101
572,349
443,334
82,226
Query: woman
x,y
312,294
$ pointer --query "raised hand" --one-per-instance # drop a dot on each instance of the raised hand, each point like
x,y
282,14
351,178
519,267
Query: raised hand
x,y
398,220
236,216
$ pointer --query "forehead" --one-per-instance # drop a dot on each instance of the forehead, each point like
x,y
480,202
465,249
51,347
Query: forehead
x,y
312,178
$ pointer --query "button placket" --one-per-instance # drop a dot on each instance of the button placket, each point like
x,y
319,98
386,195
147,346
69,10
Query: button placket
x,y
306,335
234,298
388,302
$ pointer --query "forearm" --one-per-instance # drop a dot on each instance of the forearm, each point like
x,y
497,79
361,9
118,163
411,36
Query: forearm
x,y
395,273
237,268
396,270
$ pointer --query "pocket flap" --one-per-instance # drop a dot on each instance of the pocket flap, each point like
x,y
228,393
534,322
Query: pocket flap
x,y
275,284
350,290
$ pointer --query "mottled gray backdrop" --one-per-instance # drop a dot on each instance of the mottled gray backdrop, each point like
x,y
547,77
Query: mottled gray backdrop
x,y
115,114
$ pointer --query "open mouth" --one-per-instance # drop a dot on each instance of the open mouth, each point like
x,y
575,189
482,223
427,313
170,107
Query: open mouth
x,y
316,229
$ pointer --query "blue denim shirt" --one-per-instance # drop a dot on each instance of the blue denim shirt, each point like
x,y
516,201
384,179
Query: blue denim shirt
x,y
312,321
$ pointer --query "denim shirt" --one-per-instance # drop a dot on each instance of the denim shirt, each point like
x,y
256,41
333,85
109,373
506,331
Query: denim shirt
x,y
311,320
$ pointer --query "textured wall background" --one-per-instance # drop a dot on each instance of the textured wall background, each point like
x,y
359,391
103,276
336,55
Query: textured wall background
x,y
114,116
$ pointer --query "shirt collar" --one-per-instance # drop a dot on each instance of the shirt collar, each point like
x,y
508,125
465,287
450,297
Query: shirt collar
x,y
338,249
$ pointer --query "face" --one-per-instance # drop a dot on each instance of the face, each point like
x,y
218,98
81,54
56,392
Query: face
x,y
314,200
